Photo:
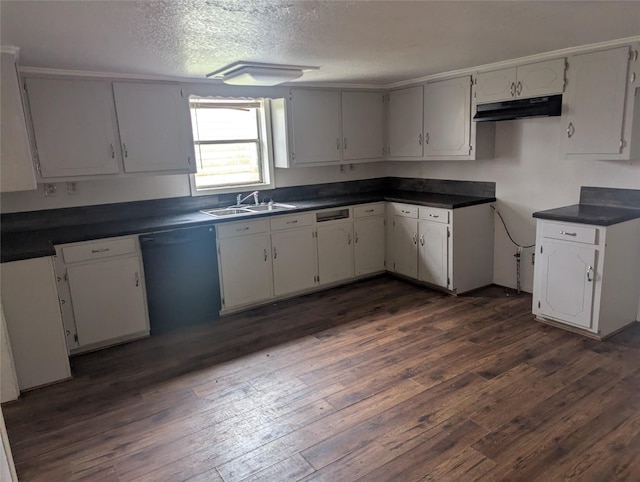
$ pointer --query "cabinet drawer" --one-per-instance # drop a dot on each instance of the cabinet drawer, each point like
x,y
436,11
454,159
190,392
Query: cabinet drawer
x,y
435,214
405,210
368,210
570,232
293,221
101,249
240,229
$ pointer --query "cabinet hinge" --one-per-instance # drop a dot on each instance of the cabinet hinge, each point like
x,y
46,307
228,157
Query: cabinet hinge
x,y
189,160
66,275
75,338
293,156
470,147
633,55
622,144
24,86
394,265
448,281
383,98
290,95
384,263
219,254
182,93
223,304
538,304
540,249
448,233
38,166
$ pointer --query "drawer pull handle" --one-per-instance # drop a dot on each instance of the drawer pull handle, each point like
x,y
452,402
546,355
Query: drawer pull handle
x,y
434,215
356,238
275,253
422,239
265,254
295,221
369,210
566,233
415,238
100,250
246,228
137,278
405,212
348,238
589,273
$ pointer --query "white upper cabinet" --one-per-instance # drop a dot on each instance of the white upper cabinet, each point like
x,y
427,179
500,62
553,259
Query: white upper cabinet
x,y
529,80
153,120
363,125
17,169
447,117
405,123
598,108
324,127
316,133
74,125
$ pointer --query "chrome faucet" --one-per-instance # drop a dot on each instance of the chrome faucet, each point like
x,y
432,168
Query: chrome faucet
x,y
240,199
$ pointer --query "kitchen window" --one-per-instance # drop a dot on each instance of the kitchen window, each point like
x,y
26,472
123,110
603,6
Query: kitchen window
x,y
230,143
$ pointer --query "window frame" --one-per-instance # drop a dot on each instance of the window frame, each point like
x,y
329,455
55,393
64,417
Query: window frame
x,y
265,150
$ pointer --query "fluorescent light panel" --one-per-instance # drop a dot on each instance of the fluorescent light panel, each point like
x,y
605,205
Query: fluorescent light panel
x,y
260,74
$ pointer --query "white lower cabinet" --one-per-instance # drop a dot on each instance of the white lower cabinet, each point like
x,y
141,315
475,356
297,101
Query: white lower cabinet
x,y
335,250
34,324
102,293
368,239
433,253
245,263
587,277
295,265
447,248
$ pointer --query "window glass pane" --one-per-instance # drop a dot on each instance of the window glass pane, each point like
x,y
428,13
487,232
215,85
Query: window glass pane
x,y
222,123
228,164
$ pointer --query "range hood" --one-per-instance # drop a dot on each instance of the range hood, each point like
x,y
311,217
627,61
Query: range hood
x,y
547,106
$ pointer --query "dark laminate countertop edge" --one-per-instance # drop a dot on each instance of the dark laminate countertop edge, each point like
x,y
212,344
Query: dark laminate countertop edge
x,y
22,245
597,215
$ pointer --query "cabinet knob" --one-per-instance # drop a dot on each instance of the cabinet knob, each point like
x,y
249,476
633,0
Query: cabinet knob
x,y
519,88
113,151
513,89
420,139
415,238
589,273
348,238
275,253
124,150
422,239
265,254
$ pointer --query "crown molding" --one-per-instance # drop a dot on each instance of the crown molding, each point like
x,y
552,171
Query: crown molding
x,y
514,62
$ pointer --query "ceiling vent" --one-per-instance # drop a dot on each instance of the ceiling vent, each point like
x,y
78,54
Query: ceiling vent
x,y
256,73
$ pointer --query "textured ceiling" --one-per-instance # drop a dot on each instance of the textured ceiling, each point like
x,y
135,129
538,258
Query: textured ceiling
x,y
374,42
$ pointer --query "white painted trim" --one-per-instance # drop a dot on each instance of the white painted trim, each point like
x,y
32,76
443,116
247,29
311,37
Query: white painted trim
x,y
343,85
10,49
514,62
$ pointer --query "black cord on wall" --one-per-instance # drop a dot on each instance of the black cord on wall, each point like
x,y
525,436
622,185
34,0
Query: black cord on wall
x,y
507,230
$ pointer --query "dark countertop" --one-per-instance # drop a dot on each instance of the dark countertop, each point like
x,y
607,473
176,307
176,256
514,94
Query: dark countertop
x,y
25,244
589,214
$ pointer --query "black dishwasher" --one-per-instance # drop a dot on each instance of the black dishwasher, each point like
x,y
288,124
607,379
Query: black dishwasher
x,y
181,275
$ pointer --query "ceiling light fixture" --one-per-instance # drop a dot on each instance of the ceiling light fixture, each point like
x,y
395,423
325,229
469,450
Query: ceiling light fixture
x,y
259,74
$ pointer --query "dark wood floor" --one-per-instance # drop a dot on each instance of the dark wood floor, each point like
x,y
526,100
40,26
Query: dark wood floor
x,y
380,380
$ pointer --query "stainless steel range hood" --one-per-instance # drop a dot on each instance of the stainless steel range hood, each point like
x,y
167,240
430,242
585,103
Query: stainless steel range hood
x,y
548,106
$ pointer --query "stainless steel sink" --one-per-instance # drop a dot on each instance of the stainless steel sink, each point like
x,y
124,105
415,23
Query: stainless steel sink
x,y
216,213
238,211
270,207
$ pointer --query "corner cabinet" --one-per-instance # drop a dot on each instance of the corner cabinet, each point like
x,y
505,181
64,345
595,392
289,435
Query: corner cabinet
x,y
102,292
433,122
445,248
324,127
369,239
587,277
600,111
95,127
34,323
16,163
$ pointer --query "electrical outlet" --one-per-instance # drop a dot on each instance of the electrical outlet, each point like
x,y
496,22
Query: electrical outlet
x,y
72,188
50,190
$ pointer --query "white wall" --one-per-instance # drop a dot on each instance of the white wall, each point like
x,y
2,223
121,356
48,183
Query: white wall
x,y
530,176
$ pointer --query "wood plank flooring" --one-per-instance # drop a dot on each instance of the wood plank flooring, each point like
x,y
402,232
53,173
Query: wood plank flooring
x,y
379,380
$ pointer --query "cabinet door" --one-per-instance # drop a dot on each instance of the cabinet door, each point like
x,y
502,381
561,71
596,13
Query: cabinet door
x,y
294,261
406,246
433,253
74,127
369,245
315,117
153,120
567,282
108,299
541,78
496,85
594,109
447,117
17,169
362,125
405,122
246,270
335,251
